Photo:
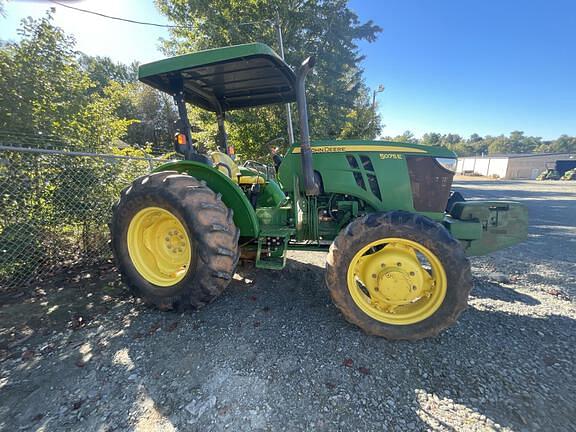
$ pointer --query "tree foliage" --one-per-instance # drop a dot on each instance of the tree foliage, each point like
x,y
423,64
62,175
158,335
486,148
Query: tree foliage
x,y
44,89
516,142
50,204
339,101
103,70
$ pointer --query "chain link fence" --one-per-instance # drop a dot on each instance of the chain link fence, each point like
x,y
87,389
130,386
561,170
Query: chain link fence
x,y
55,206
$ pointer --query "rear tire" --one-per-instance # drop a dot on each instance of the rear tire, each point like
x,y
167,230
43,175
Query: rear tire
x,y
210,230
417,230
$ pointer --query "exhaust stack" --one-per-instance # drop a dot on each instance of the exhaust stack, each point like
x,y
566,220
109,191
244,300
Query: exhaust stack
x,y
310,186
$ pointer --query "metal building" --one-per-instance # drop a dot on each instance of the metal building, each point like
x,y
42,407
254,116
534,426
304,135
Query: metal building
x,y
510,166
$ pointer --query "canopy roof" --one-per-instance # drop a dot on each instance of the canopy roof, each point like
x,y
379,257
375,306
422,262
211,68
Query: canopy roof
x,y
233,77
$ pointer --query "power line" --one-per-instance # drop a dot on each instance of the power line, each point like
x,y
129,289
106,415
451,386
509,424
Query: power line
x,y
118,18
146,22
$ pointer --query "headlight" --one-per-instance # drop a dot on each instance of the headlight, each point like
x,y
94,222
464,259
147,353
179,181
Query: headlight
x,y
448,163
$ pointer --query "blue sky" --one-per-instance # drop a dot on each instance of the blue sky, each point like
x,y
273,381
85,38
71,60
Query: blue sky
x,y
487,66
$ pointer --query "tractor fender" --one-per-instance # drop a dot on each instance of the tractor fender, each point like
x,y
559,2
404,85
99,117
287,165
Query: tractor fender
x,y
234,198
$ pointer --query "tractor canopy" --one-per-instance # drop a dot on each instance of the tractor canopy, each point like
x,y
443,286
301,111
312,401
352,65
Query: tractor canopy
x,y
224,79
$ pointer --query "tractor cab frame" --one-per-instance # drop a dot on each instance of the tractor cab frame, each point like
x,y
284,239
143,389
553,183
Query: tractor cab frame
x,y
225,79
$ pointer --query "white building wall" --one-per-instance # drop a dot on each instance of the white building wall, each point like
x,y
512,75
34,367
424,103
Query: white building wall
x,y
498,167
504,167
459,165
481,167
468,164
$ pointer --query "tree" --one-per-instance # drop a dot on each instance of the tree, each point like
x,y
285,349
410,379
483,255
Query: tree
x,y
102,71
474,138
155,116
362,121
450,140
40,83
407,137
563,144
517,142
338,106
47,100
153,111
432,139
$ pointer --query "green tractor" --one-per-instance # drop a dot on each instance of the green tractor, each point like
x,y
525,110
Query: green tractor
x,y
569,175
397,242
548,174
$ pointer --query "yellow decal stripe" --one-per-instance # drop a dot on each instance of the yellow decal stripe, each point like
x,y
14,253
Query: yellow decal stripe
x,y
360,148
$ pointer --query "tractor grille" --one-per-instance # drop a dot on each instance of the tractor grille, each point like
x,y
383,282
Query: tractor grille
x,y
430,183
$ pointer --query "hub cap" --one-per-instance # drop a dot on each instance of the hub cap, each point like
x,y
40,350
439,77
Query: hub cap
x,y
159,246
397,281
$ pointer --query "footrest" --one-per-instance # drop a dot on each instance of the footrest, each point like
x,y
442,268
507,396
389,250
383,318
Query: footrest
x,y
272,248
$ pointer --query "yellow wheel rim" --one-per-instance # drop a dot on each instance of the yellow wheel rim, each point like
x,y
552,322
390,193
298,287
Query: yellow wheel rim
x,y
397,281
159,246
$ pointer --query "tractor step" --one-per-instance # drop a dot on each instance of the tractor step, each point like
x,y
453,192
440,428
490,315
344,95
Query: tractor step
x,y
272,248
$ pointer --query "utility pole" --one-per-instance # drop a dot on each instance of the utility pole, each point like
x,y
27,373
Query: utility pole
x,y
288,109
380,89
276,23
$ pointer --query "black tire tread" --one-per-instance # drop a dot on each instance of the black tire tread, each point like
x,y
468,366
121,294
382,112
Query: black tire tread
x,y
217,250
406,225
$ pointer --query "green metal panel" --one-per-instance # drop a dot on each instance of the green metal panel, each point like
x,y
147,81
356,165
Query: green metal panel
x,y
233,77
201,58
463,230
271,195
501,224
234,198
271,218
387,163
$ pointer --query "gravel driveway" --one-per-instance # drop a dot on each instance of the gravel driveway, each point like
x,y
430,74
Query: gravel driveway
x,y
77,353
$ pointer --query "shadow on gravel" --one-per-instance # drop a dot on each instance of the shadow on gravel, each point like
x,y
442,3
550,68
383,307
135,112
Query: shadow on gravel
x,y
495,291
274,354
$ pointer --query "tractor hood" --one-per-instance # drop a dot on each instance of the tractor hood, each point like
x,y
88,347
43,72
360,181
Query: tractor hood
x,y
229,78
386,175
333,146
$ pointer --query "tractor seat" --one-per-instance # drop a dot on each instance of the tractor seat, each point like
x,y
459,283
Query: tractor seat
x,y
227,166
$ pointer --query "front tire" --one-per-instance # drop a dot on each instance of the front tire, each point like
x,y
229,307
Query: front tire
x,y
398,275
174,241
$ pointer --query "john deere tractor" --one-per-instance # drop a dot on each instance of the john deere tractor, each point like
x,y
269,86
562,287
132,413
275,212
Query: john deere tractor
x,y
548,174
569,175
397,242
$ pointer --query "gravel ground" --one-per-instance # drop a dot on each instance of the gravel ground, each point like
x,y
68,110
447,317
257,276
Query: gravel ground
x,y
77,353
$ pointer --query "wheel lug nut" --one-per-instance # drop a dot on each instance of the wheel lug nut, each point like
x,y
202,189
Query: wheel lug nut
x,y
412,273
374,275
399,264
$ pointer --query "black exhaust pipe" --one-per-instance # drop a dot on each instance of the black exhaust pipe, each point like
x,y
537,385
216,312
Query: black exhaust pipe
x,y
310,186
